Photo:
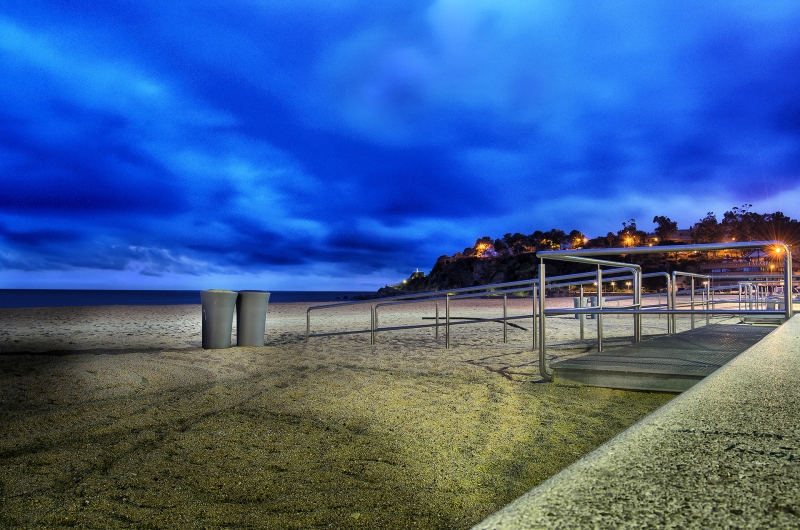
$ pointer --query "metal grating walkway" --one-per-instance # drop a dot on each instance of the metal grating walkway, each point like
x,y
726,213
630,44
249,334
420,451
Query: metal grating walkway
x,y
669,363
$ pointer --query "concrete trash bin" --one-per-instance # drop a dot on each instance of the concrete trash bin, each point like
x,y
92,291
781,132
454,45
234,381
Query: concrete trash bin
x,y
578,301
251,317
593,303
218,306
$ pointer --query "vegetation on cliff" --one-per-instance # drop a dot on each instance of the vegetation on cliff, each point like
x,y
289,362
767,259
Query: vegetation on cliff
x,y
513,256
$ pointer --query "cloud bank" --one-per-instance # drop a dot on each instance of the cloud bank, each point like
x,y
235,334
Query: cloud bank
x,y
314,145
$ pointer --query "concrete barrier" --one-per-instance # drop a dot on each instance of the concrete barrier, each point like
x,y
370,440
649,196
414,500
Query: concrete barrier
x,y
724,454
251,315
578,301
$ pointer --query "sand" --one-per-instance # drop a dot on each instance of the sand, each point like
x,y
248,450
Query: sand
x,y
114,417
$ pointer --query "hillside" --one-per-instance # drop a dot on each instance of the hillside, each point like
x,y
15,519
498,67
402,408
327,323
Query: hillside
x,y
513,257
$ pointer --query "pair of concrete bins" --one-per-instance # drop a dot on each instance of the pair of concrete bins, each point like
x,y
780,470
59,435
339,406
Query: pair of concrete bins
x,y
251,316
579,301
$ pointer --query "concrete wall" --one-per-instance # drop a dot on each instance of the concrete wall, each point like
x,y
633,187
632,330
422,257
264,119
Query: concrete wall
x,y
724,454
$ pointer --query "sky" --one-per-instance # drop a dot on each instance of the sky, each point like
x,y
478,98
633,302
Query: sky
x,y
340,145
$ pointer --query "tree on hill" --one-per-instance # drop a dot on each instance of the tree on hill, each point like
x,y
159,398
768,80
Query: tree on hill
x,y
708,230
629,235
552,239
666,227
740,223
577,239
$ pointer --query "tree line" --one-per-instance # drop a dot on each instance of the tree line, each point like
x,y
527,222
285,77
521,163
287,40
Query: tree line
x,y
513,256
737,224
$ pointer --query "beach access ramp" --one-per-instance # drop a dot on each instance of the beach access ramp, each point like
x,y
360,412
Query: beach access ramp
x,y
668,363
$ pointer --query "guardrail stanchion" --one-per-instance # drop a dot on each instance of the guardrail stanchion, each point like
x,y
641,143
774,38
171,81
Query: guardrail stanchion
x,y
582,317
437,320
542,318
674,296
505,317
447,321
372,324
787,281
669,320
600,307
534,323
637,301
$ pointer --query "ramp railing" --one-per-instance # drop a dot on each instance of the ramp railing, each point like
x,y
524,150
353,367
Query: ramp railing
x,y
447,296
585,256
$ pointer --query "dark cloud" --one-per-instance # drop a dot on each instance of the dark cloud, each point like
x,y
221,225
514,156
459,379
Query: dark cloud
x,y
38,238
360,138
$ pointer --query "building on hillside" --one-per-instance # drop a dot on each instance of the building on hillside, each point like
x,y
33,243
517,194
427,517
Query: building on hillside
x,y
757,261
681,235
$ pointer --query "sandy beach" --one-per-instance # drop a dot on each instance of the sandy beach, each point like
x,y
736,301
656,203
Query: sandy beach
x,y
114,417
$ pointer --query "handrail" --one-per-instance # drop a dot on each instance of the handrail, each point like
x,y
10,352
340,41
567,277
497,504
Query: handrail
x,y
619,271
636,271
706,293
433,296
585,256
698,247
530,287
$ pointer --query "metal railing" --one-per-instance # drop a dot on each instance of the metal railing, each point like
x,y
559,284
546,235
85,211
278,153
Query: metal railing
x,y
555,282
618,271
584,256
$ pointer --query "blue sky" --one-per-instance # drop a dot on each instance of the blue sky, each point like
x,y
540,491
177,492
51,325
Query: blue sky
x,y
304,145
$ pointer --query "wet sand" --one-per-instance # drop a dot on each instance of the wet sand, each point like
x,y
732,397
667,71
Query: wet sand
x,y
114,417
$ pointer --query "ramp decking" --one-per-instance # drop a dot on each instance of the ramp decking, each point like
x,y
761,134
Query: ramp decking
x,y
669,363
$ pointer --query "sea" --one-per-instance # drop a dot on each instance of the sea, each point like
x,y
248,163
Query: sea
x,y
90,297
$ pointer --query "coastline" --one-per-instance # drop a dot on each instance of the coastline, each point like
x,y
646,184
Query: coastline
x,y
134,424
13,298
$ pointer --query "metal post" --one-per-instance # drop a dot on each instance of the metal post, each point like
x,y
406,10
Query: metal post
x,y
637,300
669,320
740,296
711,291
372,324
707,295
447,321
674,296
308,324
505,316
599,306
580,304
659,305
542,342
534,318
787,283
691,298
437,320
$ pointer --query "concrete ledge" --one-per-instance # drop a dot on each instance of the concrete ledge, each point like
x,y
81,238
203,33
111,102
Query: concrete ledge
x,y
724,454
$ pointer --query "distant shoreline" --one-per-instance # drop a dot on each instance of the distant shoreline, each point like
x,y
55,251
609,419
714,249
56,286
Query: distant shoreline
x,y
12,298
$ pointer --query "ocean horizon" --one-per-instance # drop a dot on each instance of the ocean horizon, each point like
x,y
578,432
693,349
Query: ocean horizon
x,y
12,298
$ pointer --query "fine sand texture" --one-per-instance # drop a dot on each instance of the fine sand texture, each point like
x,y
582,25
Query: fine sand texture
x,y
114,417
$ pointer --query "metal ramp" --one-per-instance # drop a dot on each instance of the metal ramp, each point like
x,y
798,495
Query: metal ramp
x,y
668,363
